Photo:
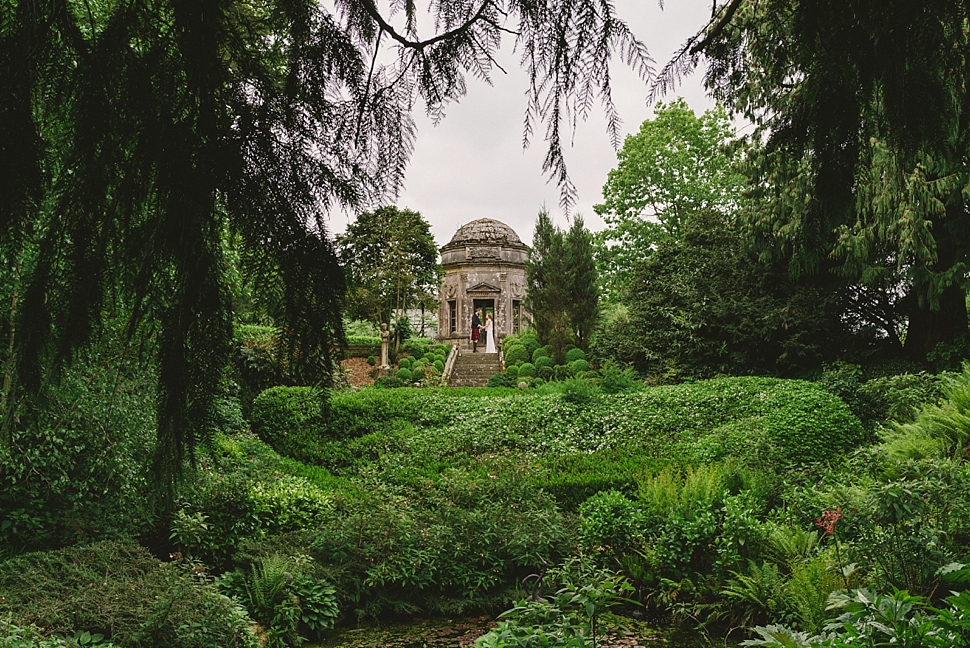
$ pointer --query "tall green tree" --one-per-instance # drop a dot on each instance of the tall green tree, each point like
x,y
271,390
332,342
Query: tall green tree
x,y
133,134
563,296
864,111
392,262
582,305
676,165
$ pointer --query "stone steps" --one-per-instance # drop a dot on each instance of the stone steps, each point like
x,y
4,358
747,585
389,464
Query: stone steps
x,y
474,369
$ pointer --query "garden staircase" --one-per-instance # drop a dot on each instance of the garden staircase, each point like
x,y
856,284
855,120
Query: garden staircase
x,y
474,369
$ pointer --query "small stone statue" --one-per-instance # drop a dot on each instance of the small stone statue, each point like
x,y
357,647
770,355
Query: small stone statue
x,y
385,336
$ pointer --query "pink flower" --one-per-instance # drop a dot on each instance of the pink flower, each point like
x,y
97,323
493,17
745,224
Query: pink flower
x,y
828,520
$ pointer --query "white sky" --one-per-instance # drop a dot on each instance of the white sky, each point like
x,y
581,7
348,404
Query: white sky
x,y
472,164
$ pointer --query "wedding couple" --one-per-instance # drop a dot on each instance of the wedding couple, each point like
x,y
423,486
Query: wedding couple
x,y
480,331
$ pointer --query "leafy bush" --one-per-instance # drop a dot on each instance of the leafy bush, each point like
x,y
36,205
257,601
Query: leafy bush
x,y
579,365
614,380
371,360
121,591
516,355
501,380
527,369
74,461
577,391
364,339
389,382
901,397
539,353
562,372
446,546
610,525
404,375
575,354
530,341
245,490
543,361
405,363
439,365
513,372
288,418
574,478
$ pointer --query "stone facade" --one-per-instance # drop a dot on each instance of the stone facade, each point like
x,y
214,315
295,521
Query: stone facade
x,y
484,266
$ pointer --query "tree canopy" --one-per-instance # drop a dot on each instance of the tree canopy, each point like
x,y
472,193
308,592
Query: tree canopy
x,y
863,112
133,134
675,165
392,263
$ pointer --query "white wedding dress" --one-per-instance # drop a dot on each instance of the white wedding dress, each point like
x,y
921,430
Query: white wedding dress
x,y
490,341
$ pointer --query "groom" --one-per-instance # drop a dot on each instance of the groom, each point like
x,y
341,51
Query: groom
x,y
476,328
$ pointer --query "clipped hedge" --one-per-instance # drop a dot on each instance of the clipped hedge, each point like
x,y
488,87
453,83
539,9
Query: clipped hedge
x,y
527,369
543,361
121,591
791,421
575,354
286,417
516,355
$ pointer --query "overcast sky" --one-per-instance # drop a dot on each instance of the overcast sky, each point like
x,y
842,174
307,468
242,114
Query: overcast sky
x,y
472,165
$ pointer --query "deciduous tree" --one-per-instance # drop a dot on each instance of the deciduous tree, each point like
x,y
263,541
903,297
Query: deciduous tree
x,y
676,165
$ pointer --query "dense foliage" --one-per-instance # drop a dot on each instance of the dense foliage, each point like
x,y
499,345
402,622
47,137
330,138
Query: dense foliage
x,y
562,284
392,264
676,165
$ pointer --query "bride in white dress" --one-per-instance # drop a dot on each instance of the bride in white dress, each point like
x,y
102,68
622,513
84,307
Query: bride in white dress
x,y
489,335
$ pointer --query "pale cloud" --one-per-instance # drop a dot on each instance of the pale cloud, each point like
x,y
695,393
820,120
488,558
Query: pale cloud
x,y
472,165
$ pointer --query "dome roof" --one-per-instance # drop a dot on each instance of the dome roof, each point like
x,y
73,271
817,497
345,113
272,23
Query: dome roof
x,y
485,231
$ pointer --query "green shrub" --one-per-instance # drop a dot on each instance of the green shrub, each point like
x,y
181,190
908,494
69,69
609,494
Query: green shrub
x,y
439,365
364,339
404,375
610,525
577,391
516,355
901,397
574,478
246,491
544,361
387,382
419,373
530,341
513,372
579,365
123,592
614,380
405,363
450,545
544,372
539,353
526,370
575,354
371,360
74,460
501,380
562,372
287,418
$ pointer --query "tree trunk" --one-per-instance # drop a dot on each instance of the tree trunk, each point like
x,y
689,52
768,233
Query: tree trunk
x,y
927,328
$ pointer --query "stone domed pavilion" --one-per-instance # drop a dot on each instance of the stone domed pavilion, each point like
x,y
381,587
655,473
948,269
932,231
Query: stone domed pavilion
x,y
484,266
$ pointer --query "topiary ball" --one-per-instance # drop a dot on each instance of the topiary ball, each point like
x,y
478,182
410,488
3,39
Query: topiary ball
x,y
539,353
544,361
404,363
527,369
404,374
575,354
578,365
